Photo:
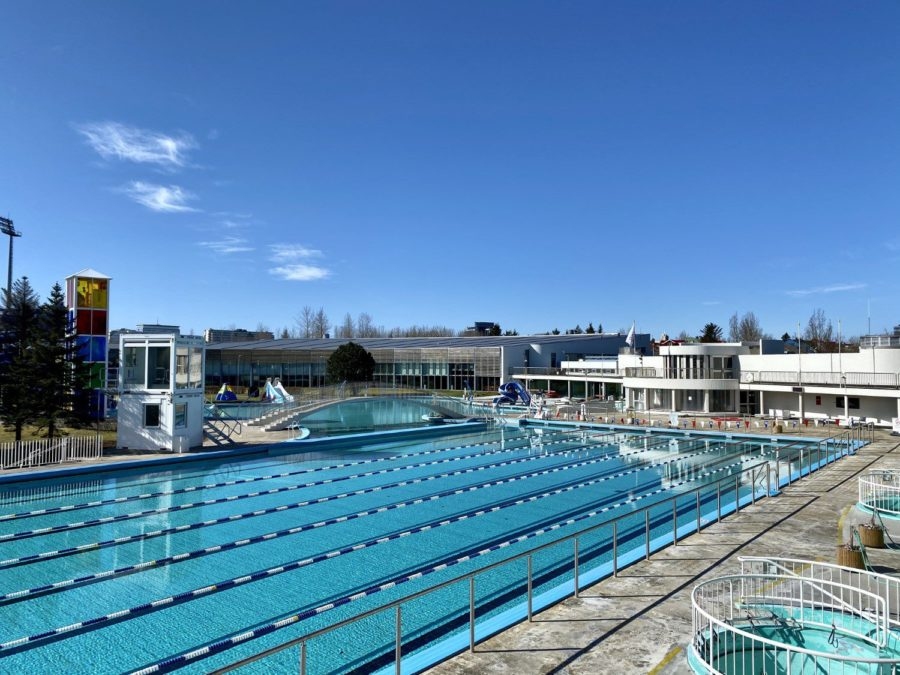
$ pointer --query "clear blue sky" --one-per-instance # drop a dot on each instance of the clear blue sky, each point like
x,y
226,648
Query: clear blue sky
x,y
536,164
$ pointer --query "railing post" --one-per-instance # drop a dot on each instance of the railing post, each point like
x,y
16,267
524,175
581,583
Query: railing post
x,y
647,534
768,479
753,485
674,521
303,658
472,614
615,548
529,591
698,510
777,469
398,644
718,502
737,493
575,578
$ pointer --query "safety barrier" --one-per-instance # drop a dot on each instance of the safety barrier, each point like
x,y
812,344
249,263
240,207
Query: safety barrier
x,y
880,491
46,451
758,621
753,476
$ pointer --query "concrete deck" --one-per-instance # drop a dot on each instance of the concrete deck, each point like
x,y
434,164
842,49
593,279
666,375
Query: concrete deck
x,y
640,621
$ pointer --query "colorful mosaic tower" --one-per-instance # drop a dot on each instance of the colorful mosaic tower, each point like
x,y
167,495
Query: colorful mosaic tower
x,y
87,299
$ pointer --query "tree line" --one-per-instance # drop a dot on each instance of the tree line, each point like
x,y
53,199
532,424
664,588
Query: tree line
x,y
818,335
43,380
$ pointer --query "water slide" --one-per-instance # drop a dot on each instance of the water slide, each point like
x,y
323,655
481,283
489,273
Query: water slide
x,y
510,393
275,392
277,386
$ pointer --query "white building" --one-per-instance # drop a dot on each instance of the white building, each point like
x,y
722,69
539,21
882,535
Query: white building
x,y
160,392
749,378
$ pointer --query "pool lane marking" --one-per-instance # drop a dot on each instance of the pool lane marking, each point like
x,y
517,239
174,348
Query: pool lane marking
x,y
298,564
35,557
130,569
183,659
238,481
53,529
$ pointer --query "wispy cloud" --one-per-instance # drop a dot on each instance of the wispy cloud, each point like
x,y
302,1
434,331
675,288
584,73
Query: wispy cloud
x,y
285,252
291,268
711,303
300,272
227,245
164,198
113,140
821,290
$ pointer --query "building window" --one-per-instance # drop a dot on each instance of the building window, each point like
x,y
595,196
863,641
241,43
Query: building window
x,y
181,415
852,402
151,414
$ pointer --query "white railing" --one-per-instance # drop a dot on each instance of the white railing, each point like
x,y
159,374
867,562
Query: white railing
x,y
885,586
880,491
793,377
43,451
758,621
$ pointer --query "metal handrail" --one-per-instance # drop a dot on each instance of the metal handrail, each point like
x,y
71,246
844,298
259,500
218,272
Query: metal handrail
x,y
762,467
881,619
709,626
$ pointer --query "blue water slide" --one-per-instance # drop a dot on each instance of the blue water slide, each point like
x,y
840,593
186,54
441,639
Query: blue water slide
x,y
510,393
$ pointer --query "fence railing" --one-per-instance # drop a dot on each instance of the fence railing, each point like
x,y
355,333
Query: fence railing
x,y
45,451
683,513
758,621
794,377
880,491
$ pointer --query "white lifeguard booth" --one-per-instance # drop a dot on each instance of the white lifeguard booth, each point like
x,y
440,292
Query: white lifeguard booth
x,y
161,392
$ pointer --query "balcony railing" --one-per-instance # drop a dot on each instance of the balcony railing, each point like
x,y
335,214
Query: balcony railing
x,y
888,380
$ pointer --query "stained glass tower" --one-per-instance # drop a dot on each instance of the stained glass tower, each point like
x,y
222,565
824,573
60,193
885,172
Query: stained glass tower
x,y
87,299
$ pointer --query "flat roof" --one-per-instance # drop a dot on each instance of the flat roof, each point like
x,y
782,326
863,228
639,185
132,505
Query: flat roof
x,y
417,342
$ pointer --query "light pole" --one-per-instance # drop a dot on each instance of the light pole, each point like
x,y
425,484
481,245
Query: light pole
x,y
6,227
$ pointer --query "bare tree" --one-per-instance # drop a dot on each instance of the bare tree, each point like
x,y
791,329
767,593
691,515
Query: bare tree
x,y
745,328
262,328
364,327
304,321
347,329
819,332
320,323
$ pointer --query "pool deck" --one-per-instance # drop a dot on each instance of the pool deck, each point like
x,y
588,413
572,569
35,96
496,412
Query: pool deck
x,y
640,621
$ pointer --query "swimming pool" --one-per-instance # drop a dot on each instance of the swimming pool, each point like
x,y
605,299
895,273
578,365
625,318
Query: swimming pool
x,y
197,563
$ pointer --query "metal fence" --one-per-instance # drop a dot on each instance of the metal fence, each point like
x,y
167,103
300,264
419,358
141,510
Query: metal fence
x,y
44,451
765,619
682,514
880,491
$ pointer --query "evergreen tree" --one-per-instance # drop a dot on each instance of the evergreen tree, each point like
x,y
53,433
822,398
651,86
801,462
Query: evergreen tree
x,y
61,377
711,333
351,363
19,326
590,329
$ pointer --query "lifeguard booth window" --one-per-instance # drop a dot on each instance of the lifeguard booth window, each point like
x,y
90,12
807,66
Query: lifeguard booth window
x,y
134,361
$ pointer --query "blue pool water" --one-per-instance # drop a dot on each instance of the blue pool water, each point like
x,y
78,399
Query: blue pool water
x,y
126,569
831,635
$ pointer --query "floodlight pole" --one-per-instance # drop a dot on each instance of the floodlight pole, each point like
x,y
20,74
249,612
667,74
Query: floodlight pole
x,y
6,227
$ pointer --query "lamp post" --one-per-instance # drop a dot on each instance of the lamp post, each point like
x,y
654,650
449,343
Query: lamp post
x,y
6,227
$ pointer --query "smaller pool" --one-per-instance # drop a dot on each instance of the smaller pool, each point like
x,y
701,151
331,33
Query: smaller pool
x,y
782,615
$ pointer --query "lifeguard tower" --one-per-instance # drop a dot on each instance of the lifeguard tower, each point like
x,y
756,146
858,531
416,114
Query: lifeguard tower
x,y
160,392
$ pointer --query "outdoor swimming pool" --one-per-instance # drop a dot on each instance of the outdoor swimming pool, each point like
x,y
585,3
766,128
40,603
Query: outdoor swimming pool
x,y
195,564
